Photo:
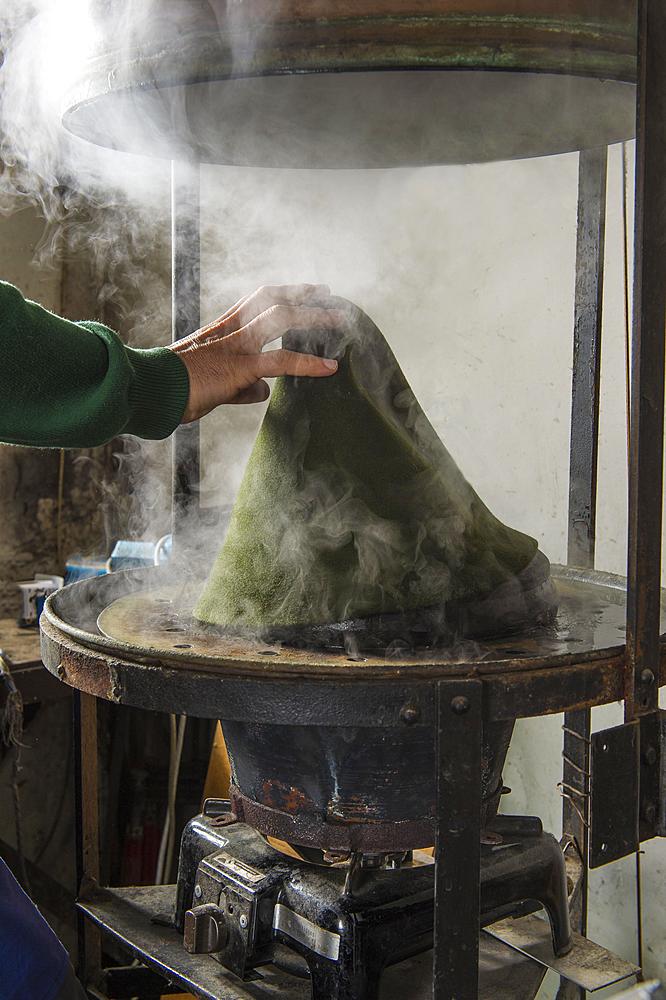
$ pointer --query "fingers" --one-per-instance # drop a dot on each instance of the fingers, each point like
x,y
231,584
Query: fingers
x,y
251,306
278,320
258,392
274,363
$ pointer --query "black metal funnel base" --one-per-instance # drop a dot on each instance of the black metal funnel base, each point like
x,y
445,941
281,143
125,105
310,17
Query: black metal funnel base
x,y
344,788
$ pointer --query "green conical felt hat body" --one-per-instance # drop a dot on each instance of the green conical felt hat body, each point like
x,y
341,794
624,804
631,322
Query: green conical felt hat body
x,y
351,506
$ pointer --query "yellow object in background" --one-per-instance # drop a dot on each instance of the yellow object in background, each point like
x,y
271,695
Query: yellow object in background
x,y
218,778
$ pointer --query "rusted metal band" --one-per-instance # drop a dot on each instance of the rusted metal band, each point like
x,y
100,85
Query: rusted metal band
x,y
309,830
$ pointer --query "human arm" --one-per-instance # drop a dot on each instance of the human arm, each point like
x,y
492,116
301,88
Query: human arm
x,y
65,384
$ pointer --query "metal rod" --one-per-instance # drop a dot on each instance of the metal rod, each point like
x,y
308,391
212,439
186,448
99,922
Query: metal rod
x,y
584,445
647,369
627,367
185,319
639,911
587,355
458,847
627,296
86,803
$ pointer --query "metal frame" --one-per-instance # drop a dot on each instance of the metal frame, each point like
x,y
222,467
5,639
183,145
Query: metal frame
x,y
461,703
583,449
647,375
458,845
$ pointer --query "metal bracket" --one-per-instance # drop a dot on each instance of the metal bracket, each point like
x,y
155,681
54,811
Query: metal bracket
x,y
614,794
628,787
652,810
589,966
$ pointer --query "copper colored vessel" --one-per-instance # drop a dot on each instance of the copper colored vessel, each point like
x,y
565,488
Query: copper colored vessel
x,y
367,84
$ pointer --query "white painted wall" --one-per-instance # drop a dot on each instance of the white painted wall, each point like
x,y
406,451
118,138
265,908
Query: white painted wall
x,y
469,272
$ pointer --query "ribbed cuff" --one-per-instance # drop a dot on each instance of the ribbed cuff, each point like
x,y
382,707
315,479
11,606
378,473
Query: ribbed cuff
x,y
158,394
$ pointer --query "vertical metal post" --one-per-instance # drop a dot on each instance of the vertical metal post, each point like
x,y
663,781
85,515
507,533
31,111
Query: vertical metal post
x,y
86,802
584,443
647,374
458,850
586,376
185,319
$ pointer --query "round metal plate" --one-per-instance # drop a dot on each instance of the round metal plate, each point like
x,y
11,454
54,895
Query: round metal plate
x,y
358,83
360,119
142,615
577,662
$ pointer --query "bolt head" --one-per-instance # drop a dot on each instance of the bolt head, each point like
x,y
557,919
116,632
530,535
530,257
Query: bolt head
x,y
647,677
410,714
198,892
243,921
650,756
650,812
460,705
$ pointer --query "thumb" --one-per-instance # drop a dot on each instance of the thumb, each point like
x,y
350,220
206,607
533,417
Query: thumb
x,y
258,392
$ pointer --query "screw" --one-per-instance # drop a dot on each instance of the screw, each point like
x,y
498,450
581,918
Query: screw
x,y
198,892
650,756
410,714
460,704
647,677
243,921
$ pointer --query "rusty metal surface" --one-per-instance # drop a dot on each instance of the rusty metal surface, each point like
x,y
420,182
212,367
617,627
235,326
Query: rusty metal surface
x,y
358,85
306,828
542,35
309,700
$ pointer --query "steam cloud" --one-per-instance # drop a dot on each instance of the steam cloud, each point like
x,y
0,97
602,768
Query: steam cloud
x,y
437,296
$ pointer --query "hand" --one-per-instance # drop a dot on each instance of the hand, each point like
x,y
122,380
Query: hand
x,y
224,360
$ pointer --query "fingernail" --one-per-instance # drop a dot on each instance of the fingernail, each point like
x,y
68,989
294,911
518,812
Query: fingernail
x,y
329,363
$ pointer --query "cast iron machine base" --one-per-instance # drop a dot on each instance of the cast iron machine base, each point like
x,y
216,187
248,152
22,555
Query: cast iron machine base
x,y
246,903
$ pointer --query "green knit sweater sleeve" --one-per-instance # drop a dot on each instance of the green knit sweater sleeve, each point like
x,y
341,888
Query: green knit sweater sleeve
x,y
76,385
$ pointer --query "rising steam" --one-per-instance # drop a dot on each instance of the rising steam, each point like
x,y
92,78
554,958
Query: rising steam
x,y
467,270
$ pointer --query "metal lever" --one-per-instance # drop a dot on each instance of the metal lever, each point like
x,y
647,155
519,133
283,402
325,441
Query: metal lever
x,y
205,929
